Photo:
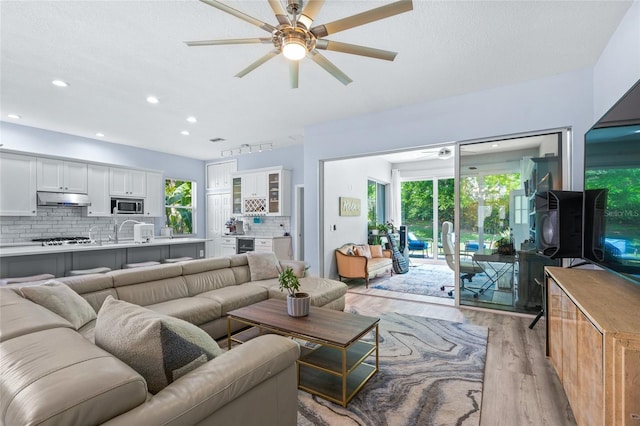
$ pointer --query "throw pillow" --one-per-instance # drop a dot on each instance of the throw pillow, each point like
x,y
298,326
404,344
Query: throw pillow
x,y
350,252
263,265
159,347
59,298
363,250
376,250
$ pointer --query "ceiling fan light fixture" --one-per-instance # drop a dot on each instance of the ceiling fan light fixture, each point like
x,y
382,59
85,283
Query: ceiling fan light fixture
x,y
294,48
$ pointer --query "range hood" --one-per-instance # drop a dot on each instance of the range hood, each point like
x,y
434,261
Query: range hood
x,y
63,199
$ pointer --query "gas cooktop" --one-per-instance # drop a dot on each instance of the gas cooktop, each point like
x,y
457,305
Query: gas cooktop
x,y
60,241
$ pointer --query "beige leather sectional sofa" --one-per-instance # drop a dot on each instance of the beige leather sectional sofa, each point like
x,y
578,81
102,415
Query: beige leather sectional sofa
x,y
51,374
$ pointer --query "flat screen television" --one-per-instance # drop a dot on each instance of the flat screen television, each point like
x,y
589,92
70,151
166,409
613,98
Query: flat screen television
x,y
611,215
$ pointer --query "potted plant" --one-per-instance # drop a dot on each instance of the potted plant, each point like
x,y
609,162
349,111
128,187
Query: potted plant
x,y
297,303
504,245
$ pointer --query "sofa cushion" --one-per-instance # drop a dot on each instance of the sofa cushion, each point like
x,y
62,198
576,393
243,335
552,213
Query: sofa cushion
x,y
191,309
148,293
159,347
376,250
209,280
59,298
203,265
363,250
19,316
57,377
236,297
124,277
263,265
320,290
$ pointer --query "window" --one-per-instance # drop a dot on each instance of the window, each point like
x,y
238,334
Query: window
x,y
376,203
179,206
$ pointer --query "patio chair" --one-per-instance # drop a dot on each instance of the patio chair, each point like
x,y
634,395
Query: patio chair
x,y
414,244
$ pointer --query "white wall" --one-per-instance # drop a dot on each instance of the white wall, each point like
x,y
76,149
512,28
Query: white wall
x,y
618,68
348,178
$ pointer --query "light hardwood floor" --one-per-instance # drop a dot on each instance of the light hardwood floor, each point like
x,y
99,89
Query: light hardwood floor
x,y
520,386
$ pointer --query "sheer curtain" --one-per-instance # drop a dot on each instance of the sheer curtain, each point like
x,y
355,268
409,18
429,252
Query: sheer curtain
x,y
395,207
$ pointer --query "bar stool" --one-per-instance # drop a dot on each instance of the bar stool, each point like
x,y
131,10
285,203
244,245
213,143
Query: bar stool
x,y
178,259
17,280
140,265
99,270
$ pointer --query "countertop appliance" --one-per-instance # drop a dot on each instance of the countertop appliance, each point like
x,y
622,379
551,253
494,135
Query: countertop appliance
x,y
61,241
127,205
143,232
244,244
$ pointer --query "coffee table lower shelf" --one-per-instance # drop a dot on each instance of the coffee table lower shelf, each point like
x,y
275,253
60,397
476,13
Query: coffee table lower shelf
x,y
336,374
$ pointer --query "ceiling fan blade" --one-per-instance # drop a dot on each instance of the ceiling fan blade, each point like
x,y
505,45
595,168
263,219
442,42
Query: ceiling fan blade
x,y
229,41
281,14
250,19
354,49
257,63
362,18
329,67
294,72
310,12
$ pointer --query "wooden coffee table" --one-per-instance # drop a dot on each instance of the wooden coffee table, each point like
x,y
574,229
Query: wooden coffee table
x,y
336,369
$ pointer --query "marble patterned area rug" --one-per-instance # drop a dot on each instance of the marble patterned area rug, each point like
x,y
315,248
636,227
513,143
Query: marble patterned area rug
x,y
428,280
431,373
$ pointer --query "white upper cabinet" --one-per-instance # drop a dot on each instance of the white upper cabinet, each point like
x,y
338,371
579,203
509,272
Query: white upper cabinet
x,y
98,191
254,185
219,175
263,192
61,176
127,182
17,185
154,202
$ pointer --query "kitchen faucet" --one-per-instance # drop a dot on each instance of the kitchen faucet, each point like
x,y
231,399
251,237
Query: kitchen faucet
x,y
115,223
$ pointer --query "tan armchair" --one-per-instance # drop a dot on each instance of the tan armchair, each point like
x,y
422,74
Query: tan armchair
x,y
363,261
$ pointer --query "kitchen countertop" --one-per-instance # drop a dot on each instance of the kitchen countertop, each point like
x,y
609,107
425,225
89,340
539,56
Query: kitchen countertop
x,y
255,236
23,250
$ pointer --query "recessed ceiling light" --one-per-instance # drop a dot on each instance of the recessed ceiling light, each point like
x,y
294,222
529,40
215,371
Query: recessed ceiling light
x,y
152,100
185,132
60,83
192,119
100,135
14,116
495,145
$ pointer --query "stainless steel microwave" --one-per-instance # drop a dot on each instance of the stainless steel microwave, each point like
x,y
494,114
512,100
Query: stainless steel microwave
x,y
127,206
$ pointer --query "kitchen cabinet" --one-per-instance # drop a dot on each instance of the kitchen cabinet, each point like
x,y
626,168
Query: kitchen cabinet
x,y
154,202
262,192
61,176
127,182
593,342
281,246
98,191
228,246
254,185
17,185
218,212
219,175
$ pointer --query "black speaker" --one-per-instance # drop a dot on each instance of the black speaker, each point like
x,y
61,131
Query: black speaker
x,y
595,204
403,238
559,224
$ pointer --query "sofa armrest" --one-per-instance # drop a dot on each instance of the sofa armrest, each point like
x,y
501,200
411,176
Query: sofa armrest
x,y
199,394
387,253
351,266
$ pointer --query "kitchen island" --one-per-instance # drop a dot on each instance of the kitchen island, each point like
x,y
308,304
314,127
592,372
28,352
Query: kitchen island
x,y
31,259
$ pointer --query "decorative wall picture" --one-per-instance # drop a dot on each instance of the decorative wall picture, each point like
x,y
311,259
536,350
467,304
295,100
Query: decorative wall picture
x,y
349,206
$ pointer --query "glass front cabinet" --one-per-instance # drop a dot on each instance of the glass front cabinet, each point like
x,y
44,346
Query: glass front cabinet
x,y
275,201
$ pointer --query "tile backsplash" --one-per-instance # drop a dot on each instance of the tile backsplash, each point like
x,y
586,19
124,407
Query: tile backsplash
x,y
61,222
268,226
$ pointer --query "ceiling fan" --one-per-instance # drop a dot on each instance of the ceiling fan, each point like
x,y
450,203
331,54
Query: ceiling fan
x,y
296,38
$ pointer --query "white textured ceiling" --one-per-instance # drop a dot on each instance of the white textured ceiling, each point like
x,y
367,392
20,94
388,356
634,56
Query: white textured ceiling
x,y
116,53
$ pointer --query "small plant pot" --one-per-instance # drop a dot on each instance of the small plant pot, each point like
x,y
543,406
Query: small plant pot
x,y
298,306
